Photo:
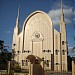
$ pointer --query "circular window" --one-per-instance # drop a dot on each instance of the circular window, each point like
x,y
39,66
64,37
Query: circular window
x,y
37,35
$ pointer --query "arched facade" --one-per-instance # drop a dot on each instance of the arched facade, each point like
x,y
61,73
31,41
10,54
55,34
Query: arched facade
x,y
38,38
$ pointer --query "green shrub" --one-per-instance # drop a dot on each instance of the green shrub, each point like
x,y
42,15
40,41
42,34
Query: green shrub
x,y
16,67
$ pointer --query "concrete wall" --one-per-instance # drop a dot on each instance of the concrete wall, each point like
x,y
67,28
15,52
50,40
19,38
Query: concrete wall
x,y
73,67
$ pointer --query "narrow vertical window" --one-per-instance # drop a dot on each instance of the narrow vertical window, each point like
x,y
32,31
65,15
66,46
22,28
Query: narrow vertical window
x,y
18,52
62,42
26,63
47,63
63,52
56,52
22,62
19,44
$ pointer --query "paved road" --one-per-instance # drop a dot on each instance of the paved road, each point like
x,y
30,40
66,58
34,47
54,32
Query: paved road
x,y
60,73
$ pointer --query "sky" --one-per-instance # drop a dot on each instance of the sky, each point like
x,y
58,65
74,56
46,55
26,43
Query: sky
x,y
9,12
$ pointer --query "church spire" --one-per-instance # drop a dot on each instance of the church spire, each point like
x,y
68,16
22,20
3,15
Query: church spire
x,y
61,7
63,41
62,21
18,13
18,17
62,14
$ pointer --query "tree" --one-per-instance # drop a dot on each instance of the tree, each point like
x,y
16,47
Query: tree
x,y
5,55
1,45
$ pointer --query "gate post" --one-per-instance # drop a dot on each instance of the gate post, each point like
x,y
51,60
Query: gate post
x,y
31,69
73,66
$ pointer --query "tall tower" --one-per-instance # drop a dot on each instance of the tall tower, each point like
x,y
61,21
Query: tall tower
x,y
16,32
63,41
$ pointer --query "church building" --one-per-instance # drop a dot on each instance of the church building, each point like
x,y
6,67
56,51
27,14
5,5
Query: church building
x,y
40,43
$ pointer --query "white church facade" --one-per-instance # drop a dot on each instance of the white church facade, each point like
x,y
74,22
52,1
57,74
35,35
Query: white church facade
x,y
40,42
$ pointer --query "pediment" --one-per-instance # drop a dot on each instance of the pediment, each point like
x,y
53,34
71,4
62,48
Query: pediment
x,y
37,36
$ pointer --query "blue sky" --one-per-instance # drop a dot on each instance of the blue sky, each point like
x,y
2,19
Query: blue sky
x,y
9,12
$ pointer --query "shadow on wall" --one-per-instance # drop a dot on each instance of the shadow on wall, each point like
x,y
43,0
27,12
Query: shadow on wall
x,y
36,62
37,69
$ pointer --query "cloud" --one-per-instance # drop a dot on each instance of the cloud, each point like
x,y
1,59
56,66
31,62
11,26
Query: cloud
x,y
74,19
70,51
70,48
68,21
56,21
55,15
8,32
68,12
74,12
